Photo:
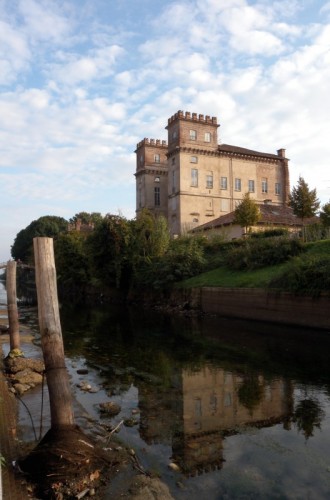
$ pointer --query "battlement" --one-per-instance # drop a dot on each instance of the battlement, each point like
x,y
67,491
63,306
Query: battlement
x,y
181,115
151,142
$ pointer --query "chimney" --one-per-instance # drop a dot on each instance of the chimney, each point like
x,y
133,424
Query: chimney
x,y
281,152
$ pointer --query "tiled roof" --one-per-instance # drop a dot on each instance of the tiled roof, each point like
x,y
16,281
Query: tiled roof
x,y
270,214
227,148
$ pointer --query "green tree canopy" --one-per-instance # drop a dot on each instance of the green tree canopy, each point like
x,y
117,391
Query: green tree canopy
x,y
48,225
303,200
308,416
151,235
72,265
109,250
247,213
325,215
87,218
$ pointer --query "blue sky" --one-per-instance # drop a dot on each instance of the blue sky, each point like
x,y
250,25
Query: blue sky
x,y
82,81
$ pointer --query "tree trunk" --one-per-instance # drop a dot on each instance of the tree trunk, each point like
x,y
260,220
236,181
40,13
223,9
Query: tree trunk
x,y
61,407
12,305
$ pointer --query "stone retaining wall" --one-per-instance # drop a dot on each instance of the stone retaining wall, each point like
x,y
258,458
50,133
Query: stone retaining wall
x,y
263,305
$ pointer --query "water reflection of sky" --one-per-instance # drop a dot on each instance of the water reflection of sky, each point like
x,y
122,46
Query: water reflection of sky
x,y
237,427
277,463
254,461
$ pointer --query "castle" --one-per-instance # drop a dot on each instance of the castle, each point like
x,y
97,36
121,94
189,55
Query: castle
x,y
191,179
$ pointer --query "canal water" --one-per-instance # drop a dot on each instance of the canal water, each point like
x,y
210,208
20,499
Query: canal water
x,y
242,408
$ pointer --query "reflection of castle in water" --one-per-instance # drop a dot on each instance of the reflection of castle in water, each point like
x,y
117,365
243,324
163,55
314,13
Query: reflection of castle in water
x,y
205,406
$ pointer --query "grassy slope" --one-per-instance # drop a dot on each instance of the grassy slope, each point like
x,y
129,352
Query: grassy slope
x,y
258,278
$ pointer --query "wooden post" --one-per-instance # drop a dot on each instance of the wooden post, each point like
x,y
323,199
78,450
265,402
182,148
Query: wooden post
x,y
60,398
12,306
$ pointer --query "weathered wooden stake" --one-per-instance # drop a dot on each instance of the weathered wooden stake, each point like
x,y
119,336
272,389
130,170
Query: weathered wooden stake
x,y
12,306
61,407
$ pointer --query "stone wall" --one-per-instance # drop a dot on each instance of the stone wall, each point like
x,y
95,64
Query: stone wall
x,y
262,305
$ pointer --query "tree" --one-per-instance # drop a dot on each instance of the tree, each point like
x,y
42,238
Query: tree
x,y
71,260
48,225
87,218
109,250
250,392
308,416
325,215
151,235
247,213
303,200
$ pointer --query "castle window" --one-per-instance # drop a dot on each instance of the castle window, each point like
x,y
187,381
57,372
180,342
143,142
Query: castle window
x,y
157,179
238,184
277,188
264,185
195,219
173,160
193,159
207,137
141,159
194,177
174,135
193,135
198,407
213,402
227,399
173,204
223,183
224,205
209,180
157,196
157,158
251,186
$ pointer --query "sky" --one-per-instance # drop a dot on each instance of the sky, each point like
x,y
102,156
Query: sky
x,y
83,81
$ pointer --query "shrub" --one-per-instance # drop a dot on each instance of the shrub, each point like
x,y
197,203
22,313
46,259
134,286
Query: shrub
x,y
307,275
183,260
263,252
270,233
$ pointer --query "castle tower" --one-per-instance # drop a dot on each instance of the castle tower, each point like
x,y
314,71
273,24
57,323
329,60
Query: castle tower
x,y
189,136
151,176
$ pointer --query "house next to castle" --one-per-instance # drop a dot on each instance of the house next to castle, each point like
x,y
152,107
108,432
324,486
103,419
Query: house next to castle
x,y
191,179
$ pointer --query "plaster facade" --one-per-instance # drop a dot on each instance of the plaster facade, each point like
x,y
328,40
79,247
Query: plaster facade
x,y
191,179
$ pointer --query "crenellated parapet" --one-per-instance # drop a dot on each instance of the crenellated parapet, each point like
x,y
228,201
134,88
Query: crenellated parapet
x,y
194,117
152,142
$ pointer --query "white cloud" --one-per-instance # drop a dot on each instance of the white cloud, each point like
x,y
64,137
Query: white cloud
x,y
81,92
243,81
257,42
325,9
14,53
43,20
99,63
36,98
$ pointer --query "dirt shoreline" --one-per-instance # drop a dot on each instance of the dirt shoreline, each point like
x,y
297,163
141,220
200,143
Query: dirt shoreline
x,y
126,478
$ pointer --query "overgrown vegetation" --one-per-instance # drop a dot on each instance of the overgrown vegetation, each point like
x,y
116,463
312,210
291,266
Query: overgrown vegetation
x,y
306,271
309,275
138,255
257,253
184,258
